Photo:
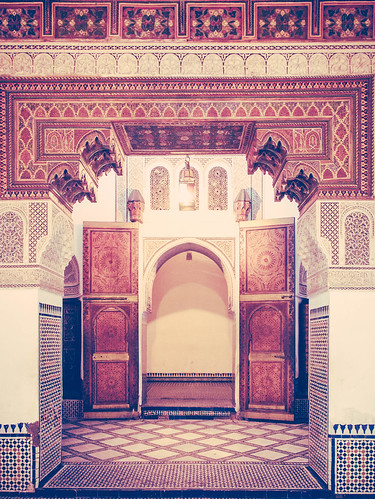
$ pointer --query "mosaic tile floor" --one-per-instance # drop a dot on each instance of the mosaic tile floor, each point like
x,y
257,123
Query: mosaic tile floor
x,y
184,455
219,440
184,476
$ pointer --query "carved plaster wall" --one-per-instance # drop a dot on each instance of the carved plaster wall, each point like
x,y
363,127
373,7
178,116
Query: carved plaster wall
x,y
336,243
187,59
37,244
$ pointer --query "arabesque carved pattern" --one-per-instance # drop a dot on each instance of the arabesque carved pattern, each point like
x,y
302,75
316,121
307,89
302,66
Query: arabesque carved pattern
x,y
159,188
266,330
111,262
199,22
111,331
335,173
11,238
266,261
357,239
266,383
217,189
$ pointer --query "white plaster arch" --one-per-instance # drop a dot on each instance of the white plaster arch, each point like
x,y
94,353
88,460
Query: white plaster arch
x,y
297,65
212,65
106,65
276,65
127,64
339,64
360,64
191,65
22,64
176,246
85,64
255,65
148,65
234,65
43,64
64,64
169,65
318,64
5,64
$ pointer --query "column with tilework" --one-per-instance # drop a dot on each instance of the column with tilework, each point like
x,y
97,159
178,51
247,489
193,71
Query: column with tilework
x,y
336,242
36,245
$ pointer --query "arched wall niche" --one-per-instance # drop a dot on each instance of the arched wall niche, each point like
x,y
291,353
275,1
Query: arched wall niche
x,y
179,246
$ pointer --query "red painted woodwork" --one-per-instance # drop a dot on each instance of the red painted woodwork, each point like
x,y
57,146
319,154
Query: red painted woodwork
x,y
110,359
110,281
267,318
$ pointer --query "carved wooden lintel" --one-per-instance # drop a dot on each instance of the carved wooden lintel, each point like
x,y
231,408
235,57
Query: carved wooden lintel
x,y
72,188
99,158
299,188
271,159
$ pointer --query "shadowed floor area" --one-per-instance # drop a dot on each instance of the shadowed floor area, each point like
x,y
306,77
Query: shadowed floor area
x,y
197,394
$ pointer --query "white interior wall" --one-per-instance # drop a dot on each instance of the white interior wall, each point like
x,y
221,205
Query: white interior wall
x,y
351,357
19,355
189,330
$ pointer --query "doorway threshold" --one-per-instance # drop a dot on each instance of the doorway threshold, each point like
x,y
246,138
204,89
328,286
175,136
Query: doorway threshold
x,y
183,476
149,412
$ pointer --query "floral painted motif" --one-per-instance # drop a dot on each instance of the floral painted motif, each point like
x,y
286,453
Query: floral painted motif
x,y
347,22
148,23
287,22
215,23
20,22
77,22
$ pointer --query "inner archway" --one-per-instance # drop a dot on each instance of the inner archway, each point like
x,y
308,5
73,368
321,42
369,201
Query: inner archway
x,y
189,350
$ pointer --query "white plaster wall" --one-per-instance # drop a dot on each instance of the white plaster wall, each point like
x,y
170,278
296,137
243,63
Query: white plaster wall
x,y
19,355
189,329
104,210
352,357
276,209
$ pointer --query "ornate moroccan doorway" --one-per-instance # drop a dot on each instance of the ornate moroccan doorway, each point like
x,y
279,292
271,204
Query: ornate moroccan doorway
x,y
267,310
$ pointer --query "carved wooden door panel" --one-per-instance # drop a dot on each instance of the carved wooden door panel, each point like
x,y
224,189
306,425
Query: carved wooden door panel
x,y
267,319
110,320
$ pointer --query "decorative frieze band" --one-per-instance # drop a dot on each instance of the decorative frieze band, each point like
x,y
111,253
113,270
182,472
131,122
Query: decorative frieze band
x,y
194,21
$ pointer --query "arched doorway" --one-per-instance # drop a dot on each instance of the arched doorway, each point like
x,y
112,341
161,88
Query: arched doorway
x,y
189,340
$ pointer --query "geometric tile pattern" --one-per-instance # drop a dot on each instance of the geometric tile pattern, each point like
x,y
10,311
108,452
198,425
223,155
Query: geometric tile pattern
x,y
20,23
286,22
16,463
318,390
217,21
217,189
11,238
354,465
72,409
184,440
329,228
184,476
348,22
38,213
50,387
148,23
79,23
357,239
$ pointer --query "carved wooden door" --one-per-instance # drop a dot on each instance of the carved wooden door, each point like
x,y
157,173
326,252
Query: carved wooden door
x,y
267,319
110,283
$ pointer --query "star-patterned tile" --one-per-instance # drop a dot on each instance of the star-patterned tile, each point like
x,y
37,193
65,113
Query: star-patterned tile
x,y
163,440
